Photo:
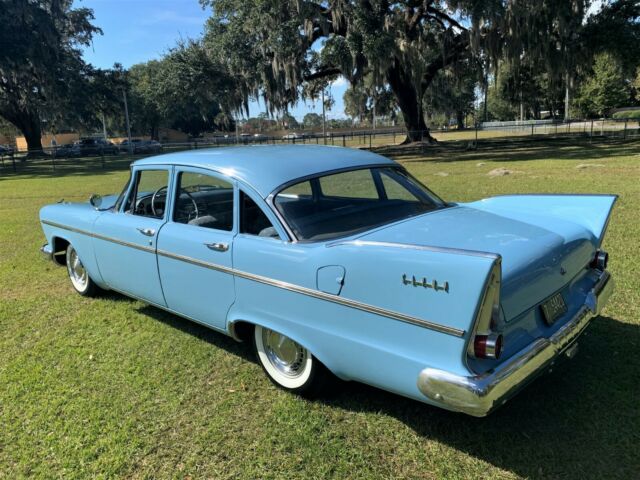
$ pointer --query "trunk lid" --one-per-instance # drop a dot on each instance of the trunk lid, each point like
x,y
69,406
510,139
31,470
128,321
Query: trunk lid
x,y
536,261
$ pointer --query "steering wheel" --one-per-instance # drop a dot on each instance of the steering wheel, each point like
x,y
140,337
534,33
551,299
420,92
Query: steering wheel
x,y
195,206
153,200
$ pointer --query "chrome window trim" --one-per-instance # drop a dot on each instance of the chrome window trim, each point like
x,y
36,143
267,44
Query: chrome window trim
x,y
270,199
281,284
456,251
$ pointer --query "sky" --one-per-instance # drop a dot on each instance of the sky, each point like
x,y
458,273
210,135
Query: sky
x,y
135,31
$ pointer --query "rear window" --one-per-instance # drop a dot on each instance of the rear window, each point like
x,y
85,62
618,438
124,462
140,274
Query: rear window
x,y
345,203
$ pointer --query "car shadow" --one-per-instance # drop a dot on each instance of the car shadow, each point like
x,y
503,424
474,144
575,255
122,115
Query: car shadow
x,y
581,421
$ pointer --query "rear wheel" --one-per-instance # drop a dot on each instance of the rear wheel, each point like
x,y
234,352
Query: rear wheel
x,y
80,279
288,364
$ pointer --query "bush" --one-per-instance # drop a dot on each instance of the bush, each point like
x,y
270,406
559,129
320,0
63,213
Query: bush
x,y
630,114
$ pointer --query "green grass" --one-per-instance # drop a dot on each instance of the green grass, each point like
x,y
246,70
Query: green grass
x,y
114,388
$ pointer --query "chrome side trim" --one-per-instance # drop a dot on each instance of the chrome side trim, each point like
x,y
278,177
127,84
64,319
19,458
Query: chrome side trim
x,y
280,284
318,294
101,237
455,251
478,395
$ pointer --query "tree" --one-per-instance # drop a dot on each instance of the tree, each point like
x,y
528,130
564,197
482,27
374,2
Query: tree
x,y
276,47
312,120
186,90
40,60
452,91
605,89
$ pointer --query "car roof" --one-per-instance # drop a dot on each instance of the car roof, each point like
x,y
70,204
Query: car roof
x,y
266,167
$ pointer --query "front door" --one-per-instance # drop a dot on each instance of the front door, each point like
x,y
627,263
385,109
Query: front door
x,y
125,239
195,247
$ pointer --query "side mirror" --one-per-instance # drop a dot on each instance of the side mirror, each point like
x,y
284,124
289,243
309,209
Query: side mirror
x,y
95,200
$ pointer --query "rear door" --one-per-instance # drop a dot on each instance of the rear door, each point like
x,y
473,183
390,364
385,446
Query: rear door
x,y
195,246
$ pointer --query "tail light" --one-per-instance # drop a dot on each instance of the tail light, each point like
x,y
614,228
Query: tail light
x,y
485,341
487,346
600,260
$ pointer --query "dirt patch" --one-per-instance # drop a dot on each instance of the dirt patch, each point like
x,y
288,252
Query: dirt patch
x,y
501,172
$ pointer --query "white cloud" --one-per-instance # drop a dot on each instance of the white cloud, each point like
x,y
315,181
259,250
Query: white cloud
x,y
339,82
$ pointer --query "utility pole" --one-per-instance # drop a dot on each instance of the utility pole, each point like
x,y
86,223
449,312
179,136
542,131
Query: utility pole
x,y
104,127
126,116
324,120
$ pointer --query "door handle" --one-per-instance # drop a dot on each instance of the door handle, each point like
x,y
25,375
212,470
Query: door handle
x,y
149,232
217,246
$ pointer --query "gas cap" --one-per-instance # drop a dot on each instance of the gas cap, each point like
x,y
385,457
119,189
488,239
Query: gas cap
x,y
330,278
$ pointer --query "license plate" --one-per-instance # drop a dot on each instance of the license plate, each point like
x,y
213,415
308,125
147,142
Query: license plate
x,y
553,308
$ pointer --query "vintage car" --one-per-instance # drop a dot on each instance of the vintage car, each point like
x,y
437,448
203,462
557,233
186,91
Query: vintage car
x,y
337,261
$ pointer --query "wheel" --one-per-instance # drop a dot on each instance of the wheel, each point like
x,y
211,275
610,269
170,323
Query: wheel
x,y
78,275
288,364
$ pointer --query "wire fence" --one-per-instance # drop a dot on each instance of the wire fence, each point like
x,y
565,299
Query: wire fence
x,y
59,159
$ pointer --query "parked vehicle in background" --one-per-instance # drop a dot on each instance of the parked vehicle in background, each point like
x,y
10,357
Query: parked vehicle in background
x,y
6,150
94,146
337,260
136,146
65,150
151,146
292,136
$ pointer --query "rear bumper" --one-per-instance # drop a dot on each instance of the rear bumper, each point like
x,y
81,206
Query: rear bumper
x,y
480,394
47,251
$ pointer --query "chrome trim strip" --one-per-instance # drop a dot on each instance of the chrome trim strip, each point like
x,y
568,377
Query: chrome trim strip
x,y
318,294
281,284
101,237
478,395
456,251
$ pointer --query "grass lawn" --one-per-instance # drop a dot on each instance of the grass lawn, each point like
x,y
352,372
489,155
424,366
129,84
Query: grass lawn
x,y
111,387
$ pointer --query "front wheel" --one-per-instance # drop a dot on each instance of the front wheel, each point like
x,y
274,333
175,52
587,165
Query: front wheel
x,y
80,279
288,364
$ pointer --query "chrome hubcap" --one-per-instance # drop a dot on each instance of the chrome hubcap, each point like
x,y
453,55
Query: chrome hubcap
x,y
77,272
284,354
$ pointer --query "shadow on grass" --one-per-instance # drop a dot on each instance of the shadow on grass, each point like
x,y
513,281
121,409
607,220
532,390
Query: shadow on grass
x,y
514,150
581,421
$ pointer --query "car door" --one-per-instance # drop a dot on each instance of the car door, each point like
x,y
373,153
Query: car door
x,y
125,238
195,247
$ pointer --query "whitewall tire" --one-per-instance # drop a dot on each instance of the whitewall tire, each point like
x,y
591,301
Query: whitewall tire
x,y
80,279
287,363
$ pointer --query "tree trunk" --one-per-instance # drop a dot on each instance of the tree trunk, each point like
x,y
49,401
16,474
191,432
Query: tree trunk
x,y
29,125
410,103
460,119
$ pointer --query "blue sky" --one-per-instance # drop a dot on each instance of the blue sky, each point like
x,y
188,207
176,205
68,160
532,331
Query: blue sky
x,y
135,31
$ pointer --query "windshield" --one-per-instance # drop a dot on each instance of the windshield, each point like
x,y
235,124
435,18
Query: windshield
x,y
345,203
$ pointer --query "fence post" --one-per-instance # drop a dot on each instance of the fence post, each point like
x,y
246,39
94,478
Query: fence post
x,y
344,140
556,128
568,126
532,129
370,141
13,159
53,162
602,128
102,157
624,134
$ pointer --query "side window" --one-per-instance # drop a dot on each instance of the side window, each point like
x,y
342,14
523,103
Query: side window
x,y
393,189
253,220
148,198
353,184
204,201
302,189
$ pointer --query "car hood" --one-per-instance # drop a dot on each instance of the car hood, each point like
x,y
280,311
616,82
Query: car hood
x,y
536,261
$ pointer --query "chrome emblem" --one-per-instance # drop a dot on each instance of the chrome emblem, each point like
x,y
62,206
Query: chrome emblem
x,y
434,284
562,270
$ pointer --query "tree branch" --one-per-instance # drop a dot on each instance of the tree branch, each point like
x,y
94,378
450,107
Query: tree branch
x,y
327,72
440,14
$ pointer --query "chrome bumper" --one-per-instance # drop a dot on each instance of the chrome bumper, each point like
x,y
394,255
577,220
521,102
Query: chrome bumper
x,y
480,394
47,251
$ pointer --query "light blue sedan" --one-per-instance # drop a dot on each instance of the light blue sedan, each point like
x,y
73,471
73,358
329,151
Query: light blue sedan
x,y
336,261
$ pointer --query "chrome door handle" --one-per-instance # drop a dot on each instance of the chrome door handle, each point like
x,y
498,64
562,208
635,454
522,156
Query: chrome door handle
x,y
218,247
149,232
